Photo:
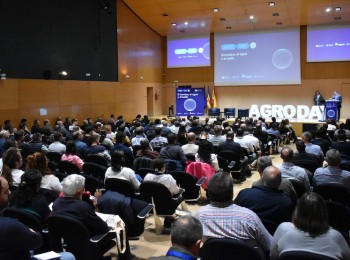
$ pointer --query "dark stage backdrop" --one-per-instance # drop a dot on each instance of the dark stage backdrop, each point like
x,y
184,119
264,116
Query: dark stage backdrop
x,y
40,38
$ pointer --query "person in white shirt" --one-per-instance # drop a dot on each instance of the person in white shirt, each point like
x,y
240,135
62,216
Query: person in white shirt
x,y
57,146
166,179
191,147
39,162
117,170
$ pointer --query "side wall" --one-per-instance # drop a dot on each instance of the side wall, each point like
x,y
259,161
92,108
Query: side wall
x,y
140,56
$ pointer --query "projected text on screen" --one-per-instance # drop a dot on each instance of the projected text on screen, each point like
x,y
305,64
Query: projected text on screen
x,y
190,101
259,58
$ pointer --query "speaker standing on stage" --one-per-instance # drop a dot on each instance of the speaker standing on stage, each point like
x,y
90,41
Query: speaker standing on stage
x,y
318,99
337,96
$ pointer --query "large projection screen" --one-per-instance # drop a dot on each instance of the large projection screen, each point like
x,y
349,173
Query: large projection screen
x,y
328,43
190,101
258,58
190,51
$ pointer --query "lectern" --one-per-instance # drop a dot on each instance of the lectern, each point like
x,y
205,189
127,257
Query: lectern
x,y
331,109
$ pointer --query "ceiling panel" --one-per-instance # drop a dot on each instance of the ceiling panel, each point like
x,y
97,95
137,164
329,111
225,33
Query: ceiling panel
x,y
234,14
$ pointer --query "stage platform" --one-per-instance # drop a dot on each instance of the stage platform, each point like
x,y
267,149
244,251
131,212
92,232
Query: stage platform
x,y
299,125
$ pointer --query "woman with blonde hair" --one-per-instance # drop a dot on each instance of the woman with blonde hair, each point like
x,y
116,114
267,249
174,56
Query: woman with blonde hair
x,y
38,161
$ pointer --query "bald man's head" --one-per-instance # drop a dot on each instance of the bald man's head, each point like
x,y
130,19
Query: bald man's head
x,y
191,137
271,177
287,154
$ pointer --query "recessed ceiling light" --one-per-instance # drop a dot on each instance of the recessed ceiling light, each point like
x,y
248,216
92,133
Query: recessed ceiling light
x,y
279,23
276,14
215,10
63,73
328,9
182,31
173,24
338,18
228,27
186,23
251,17
337,9
271,3
222,19
165,14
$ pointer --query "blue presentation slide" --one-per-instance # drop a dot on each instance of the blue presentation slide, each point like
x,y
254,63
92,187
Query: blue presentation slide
x,y
190,101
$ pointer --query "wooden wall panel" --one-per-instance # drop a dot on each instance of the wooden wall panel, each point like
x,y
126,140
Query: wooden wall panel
x,y
9,94
74,92
38,93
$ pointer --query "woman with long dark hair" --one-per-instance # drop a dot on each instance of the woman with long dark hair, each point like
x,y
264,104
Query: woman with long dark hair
x,y
204,155
309,231
27,195
118,169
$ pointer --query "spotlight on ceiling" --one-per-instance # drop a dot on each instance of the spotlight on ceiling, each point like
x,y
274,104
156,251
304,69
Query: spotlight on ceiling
x,y
215,10
271,3
63,73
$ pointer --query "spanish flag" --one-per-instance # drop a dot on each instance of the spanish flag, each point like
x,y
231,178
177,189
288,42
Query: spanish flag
x,y
208,100
213,98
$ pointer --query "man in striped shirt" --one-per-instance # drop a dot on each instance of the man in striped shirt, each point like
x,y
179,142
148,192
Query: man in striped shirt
x,y
223,219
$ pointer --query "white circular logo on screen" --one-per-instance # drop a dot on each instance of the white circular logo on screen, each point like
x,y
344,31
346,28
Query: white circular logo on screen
x,y
190,104
282,59
252,45
330,113
205,50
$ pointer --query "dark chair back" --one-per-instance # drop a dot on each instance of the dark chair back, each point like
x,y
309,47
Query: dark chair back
x,y
227,249
144,171
191,157
229,112
121,186
243,113
135,149
339,218
54,156
68,167
29,220
94,158
24,217
91,183
213,112
142,162
76,237
298,187
302,255
334,192
187,182
95,170
163,200
60,175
